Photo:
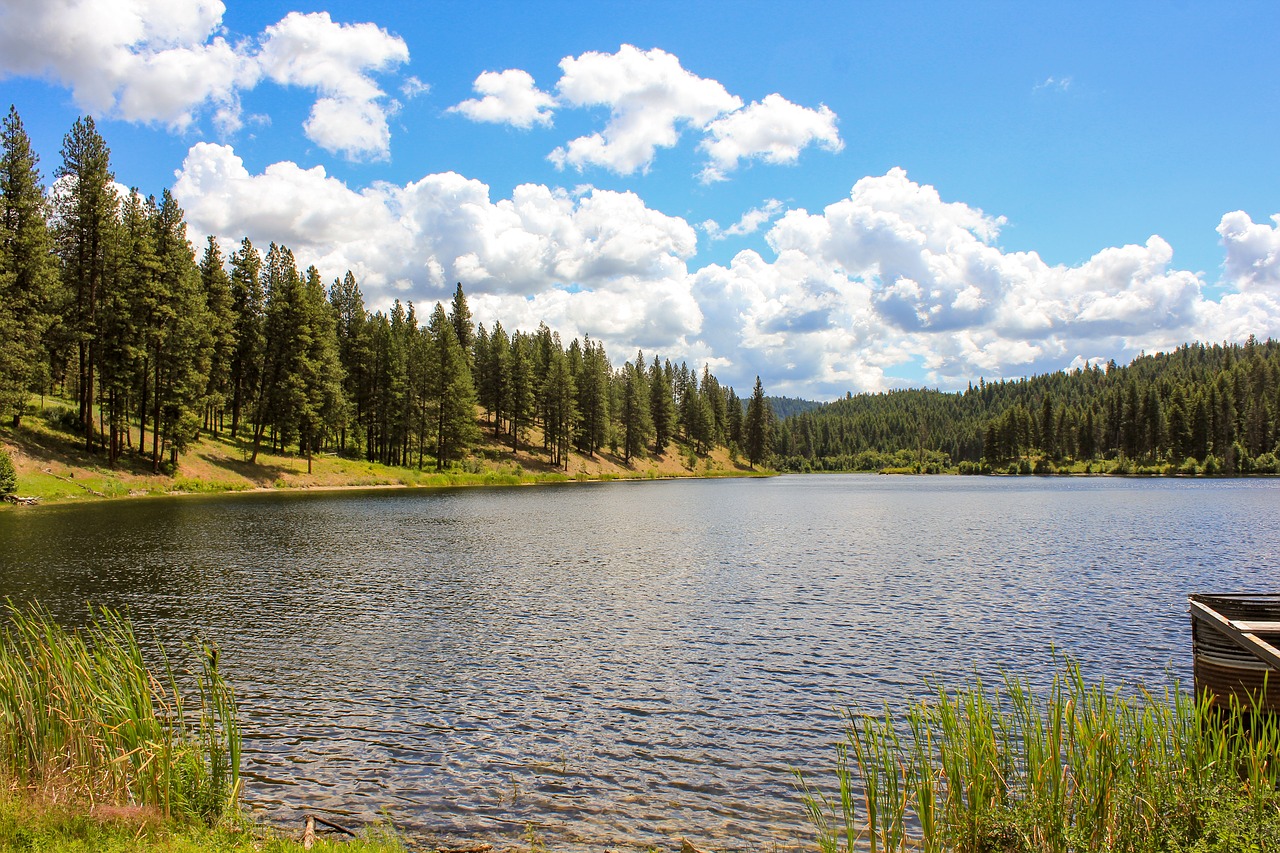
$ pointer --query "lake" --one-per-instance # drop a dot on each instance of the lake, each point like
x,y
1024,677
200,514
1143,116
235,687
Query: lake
x,y
623,664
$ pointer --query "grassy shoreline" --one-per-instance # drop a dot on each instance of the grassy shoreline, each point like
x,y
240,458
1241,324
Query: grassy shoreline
x,y
1077,767
53,467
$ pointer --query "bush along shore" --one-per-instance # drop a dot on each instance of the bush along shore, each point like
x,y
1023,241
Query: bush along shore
x,y
99,751
1080,768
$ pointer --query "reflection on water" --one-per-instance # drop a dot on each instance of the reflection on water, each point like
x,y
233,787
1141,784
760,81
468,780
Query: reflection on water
x,y
623,664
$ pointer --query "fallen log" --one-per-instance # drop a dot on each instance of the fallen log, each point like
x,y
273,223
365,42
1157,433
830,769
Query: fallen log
x,y
88,489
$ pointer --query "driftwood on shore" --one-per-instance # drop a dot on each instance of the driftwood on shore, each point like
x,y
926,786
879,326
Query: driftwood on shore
x,y
309,830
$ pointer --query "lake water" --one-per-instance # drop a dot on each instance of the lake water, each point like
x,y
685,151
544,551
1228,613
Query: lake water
x,y
624,664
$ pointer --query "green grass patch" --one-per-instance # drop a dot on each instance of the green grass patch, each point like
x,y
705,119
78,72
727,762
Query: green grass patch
x,y
28,825
82,714
1079,768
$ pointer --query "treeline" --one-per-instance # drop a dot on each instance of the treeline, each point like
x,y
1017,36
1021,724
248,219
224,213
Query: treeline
x,y
103,299
1199,409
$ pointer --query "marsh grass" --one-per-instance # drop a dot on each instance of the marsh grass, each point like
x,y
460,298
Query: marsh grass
x,y
83,719
1080,768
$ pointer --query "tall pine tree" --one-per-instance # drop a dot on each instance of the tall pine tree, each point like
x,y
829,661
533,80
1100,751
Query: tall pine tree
x,y
28,271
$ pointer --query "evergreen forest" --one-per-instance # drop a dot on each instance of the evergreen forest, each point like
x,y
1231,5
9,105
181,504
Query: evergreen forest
x,y
104,302
1200,409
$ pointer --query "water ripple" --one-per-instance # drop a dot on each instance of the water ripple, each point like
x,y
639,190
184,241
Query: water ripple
x,y
623,665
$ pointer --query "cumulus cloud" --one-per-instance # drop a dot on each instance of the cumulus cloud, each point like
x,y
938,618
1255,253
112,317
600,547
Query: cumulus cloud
x,y
773,130
1253,251
601,262
893,273
650,97
652,100
508,97
887,279
167,61
145,60
336,60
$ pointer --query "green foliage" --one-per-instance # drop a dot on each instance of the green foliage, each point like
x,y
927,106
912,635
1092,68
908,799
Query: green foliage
x,y
156,348
1079,768
758,426
1197,401
85,709
28,272
8,475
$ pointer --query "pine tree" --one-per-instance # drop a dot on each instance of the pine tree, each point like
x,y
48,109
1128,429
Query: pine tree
x,y
520,400
278,399
593,398
757,426
249,317
560,395
86,213
216,285
323,409
181,337
662,407
480,366
354,350
28,272
497,377
451,396
633,414
460,318
733,424
124,375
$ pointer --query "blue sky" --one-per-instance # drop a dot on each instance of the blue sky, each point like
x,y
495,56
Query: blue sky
x,y
941,191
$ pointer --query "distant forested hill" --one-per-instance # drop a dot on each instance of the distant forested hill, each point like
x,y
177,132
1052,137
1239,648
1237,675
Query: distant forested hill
x,y
785,407
1200,409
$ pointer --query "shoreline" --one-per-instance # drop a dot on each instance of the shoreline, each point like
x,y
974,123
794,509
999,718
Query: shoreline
x,y
54,468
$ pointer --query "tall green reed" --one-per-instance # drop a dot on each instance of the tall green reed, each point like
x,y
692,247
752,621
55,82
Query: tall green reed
x,y
1079,767
82,716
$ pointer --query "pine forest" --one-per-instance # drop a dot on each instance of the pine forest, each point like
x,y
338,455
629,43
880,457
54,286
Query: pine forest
x,y
104,302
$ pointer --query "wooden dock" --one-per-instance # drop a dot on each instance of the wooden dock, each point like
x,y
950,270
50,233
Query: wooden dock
x,y
1235,642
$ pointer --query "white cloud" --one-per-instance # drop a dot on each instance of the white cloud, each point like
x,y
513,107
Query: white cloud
x,y
144,60
1053,84
167,61
509,97
412,87
336,60
601,263
1253,251
773,130
890,276
650,98
893,273
749,223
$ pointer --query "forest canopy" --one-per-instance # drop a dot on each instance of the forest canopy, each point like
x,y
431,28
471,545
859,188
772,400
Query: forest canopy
x,y
104,301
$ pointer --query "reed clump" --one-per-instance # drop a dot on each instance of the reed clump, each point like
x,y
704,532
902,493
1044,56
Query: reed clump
x,y
83,719
1081,767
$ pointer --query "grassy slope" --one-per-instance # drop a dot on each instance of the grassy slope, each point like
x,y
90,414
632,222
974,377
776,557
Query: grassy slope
x,y
53,466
